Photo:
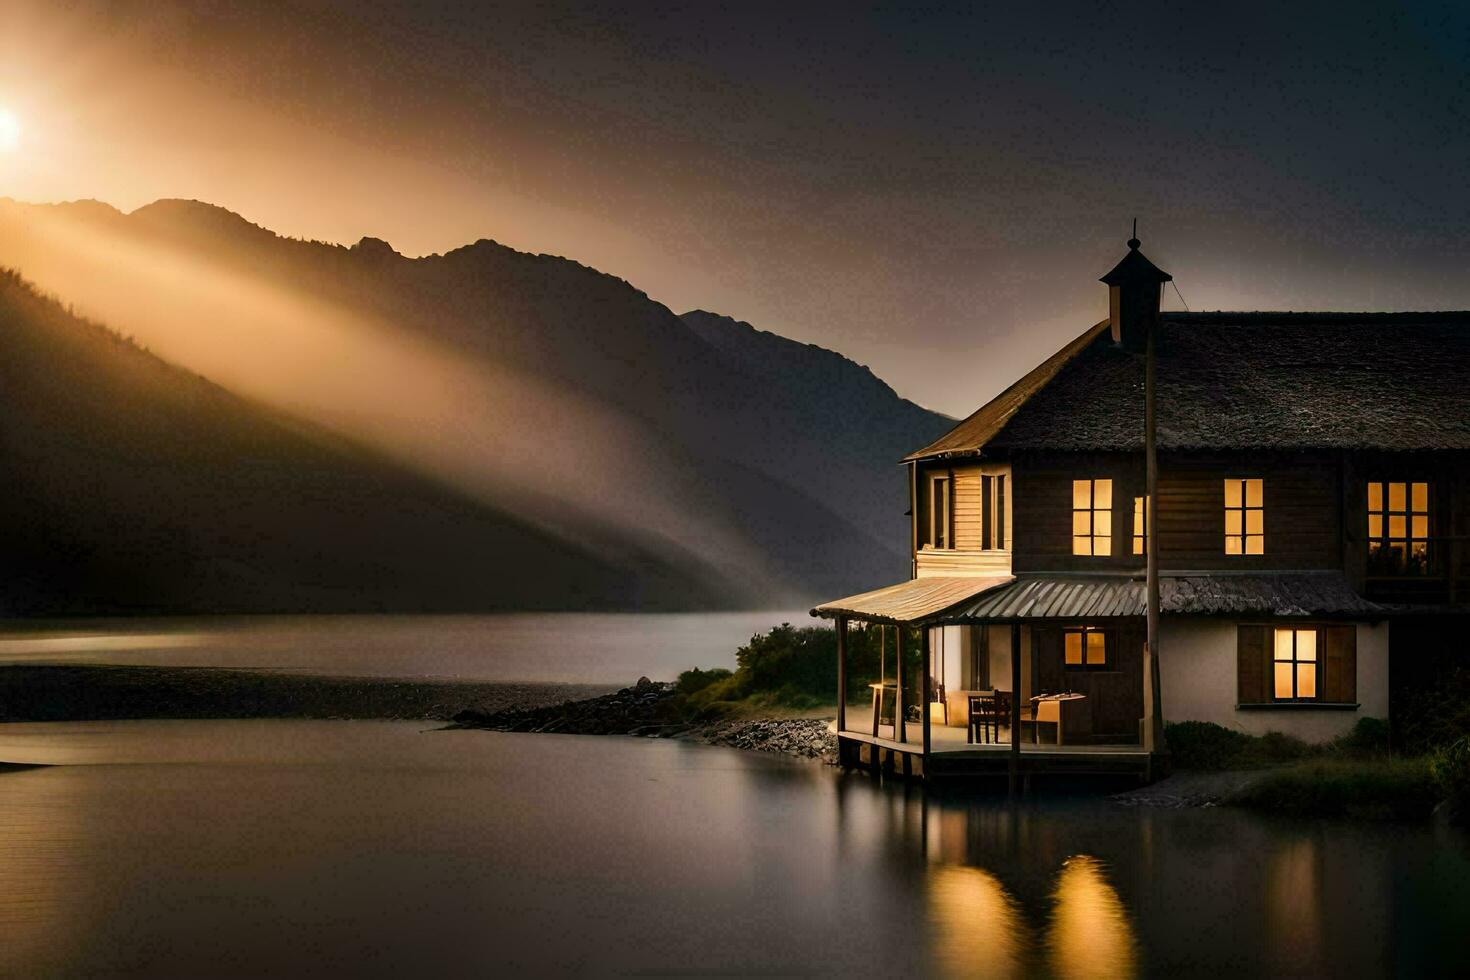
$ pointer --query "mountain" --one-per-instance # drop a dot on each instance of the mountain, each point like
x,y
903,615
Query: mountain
x,y
134,486
539,387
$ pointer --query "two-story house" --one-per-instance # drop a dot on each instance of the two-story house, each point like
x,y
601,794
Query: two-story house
x,y
1312,505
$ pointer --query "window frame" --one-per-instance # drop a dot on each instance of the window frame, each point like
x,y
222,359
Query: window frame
x,y
1318,662
1140,525
1410,514
931,538
1085,632
994,499
1244,508
1093,512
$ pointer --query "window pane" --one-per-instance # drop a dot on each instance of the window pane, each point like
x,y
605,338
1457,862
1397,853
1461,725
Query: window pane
x,y
1421,497
1419,549
1375,526
1074,648
1102,545
1255,522
1102,494
1081,522
1081,494
1283,680
1421,527
1255,544
1283,644
1306,644
1375,496
1306,680
1254,492
1397,497
1097,649
1137,545
1232,493
1232,522
1081,546
1232,544
1398,527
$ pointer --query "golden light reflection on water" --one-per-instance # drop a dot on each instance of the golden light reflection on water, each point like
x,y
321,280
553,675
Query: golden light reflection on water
x,y
1293,897
1089,934
978,927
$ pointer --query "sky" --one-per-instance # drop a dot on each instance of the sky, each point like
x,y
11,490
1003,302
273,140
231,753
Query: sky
x,y
931,190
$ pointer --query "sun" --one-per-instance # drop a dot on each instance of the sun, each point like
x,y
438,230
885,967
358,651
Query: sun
x,y
9,131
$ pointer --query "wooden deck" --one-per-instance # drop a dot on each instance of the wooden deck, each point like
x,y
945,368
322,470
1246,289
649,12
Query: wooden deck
x,y
951,755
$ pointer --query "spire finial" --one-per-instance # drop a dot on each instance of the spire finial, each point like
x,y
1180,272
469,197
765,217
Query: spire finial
x,y
1134,242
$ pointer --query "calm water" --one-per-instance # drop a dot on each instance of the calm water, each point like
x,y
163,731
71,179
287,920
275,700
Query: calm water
x,y
207,848
615,648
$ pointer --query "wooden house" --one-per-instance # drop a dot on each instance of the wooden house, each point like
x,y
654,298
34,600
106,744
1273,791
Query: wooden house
x,y
1311,509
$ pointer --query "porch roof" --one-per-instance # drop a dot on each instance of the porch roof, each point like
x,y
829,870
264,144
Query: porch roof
x,y
1097,596
912,601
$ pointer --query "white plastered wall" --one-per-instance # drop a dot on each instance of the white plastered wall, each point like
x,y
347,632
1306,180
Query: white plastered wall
x,y
1197,670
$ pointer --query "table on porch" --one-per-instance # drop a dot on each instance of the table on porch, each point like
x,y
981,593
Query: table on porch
x,y
1071,713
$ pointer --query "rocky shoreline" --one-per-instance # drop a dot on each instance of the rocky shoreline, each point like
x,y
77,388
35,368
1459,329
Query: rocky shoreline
x,y
653,709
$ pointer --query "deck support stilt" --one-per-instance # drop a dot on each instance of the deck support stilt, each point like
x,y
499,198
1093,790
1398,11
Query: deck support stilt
x,y
1015,769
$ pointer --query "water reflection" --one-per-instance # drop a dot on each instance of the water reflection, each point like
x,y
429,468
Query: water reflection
x,y
1293,912
1089,934
977,926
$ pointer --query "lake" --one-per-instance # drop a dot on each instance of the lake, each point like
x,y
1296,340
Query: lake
x,y
381,848
592,648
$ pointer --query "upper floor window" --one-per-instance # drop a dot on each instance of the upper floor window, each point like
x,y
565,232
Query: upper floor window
x,y
1398,528
1296,665
1084,648
1092,517
940,532
993,511
1140,525
1245,517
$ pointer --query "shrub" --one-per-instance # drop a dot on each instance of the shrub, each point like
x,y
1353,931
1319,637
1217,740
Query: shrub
x,y
1368,737
1379,788
691,681
1205,745
1436,711
1451,769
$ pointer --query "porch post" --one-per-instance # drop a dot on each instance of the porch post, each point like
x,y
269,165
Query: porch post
x,y
928,647
900,730
1152,702
841,674
1015,768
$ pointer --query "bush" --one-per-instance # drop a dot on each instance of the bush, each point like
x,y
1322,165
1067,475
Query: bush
x,y
1205,745
1368,737
692,681
1436,711
1451,769
1379,788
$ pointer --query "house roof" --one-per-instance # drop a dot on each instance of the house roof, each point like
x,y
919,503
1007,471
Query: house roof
x,y
1098,597
911,601
1392,381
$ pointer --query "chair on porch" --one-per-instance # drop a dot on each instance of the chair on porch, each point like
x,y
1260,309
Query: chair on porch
x,y
987,708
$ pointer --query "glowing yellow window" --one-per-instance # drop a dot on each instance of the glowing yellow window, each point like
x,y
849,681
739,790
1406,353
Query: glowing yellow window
x,y
1296,665
1140,525
1092,517
1085,648
1398,528
1245,517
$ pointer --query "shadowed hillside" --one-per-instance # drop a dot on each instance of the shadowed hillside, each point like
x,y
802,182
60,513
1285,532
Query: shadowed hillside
x,y
576,402
132,485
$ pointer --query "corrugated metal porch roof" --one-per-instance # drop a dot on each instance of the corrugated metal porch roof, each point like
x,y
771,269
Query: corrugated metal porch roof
x,y
911,601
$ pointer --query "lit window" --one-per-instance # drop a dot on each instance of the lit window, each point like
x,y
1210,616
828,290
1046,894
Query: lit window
x,y
1296,664
939,513
1084,649
1092,517
1398,528
1245,517
1140,525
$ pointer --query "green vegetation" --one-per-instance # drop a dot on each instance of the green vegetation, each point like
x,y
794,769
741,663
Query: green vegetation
x,y
1451,769
1436,711
795,669
1334,785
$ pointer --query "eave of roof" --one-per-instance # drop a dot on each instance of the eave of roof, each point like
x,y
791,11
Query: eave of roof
x,y
982,425
911,601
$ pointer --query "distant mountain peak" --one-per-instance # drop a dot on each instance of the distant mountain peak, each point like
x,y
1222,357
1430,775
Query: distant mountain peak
x,y
375,248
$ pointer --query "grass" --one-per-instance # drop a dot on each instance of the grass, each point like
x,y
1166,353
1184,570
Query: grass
x,y
1330,786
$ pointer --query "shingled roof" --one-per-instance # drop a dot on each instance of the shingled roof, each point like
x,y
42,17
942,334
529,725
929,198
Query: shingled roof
x,y
1395,381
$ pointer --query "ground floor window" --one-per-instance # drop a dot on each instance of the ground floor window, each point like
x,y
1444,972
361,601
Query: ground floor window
x,y
1296,665
1085,648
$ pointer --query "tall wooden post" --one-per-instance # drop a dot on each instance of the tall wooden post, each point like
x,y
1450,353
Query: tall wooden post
x,y
900,730
928,646
1152,702
1015,768
841,674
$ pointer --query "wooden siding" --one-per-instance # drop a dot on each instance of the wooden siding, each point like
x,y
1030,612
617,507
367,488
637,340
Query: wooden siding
x,y
1042,525
967,557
